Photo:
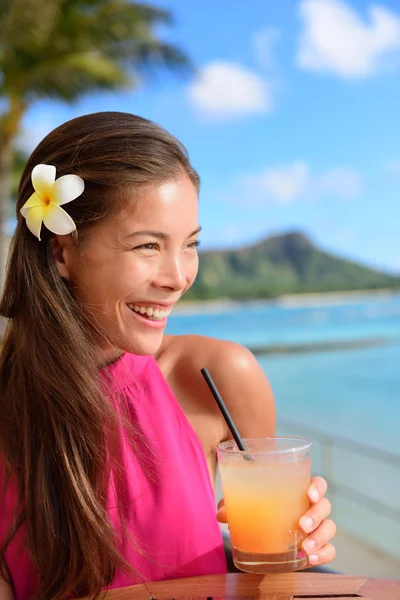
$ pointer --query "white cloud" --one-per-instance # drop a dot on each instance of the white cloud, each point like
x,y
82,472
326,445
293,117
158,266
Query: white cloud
x,y
284,184
336,39
263,43
224,90
287,184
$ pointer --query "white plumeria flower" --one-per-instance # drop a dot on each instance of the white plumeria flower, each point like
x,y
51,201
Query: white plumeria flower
x,y
44,206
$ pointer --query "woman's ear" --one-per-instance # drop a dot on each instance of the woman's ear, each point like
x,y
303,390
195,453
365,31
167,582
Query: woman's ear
x,y
64,254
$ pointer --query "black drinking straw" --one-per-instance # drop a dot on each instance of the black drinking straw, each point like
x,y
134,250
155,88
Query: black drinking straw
x,y
224,410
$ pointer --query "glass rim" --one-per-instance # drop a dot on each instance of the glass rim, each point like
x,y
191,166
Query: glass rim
x,y
301,447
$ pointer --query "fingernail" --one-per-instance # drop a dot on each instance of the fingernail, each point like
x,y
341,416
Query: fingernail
x,y
314,494
301,554
309,545
306,523
313,559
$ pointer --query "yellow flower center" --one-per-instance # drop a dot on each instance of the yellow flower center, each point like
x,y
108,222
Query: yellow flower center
x,y
47,200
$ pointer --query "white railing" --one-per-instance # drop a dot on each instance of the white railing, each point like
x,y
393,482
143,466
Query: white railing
x,y
364,485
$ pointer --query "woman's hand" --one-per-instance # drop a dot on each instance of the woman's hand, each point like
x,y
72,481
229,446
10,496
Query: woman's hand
x,y
315,523
318,526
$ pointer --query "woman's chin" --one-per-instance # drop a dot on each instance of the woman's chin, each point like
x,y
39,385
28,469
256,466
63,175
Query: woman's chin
x,y
144,344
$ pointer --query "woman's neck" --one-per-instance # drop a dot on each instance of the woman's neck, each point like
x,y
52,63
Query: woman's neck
x,y
109,356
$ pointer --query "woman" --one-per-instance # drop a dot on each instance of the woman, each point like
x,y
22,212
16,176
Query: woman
x,y
108,433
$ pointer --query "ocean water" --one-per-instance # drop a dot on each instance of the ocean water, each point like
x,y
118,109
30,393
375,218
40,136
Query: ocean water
x,y
351,392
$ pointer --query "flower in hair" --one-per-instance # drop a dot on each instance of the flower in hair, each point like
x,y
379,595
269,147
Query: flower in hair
x,y
44,206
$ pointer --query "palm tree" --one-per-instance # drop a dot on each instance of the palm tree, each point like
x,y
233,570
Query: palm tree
x,y
63,49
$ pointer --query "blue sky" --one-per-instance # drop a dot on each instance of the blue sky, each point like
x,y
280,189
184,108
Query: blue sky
x,y
292,120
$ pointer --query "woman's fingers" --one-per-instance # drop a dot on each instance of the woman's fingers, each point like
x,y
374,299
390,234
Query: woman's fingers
x,y
221,512
317,489
315,515
323,556
320,537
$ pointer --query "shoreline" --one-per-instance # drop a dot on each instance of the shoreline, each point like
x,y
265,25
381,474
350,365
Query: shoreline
x,y
308,299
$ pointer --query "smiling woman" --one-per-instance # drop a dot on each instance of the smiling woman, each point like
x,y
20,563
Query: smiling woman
x,y
108,432
121,268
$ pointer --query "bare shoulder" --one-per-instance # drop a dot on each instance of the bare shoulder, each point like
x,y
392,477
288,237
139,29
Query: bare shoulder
x,y
237,374
198,351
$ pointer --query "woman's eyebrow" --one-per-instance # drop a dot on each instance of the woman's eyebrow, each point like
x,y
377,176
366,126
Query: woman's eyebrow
x,y
159,234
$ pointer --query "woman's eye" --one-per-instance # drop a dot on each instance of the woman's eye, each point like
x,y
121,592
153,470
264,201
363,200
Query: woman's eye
x,y
155,245
150,246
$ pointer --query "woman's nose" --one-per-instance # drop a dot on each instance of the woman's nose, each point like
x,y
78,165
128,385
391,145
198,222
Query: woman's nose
x,y
171,275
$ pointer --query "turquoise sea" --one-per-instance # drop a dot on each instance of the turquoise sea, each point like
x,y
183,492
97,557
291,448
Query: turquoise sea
x,y
353,392
349,388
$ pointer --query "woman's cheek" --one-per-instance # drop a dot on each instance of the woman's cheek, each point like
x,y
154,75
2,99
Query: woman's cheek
x,y
194,269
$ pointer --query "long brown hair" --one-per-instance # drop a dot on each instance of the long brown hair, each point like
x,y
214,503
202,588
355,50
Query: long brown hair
x,y
53,439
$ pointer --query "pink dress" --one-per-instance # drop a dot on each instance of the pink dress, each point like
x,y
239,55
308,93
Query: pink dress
x,y
168,500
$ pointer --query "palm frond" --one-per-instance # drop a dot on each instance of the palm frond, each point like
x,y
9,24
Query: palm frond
x,y
97,31
30,23
67,77
66,48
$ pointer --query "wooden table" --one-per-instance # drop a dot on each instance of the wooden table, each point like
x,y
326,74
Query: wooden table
x,y
242,586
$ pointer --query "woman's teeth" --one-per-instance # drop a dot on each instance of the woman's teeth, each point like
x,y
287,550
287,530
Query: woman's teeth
x,y
152,313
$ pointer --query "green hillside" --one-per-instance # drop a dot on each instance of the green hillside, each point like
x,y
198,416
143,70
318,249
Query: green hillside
x,y
278,265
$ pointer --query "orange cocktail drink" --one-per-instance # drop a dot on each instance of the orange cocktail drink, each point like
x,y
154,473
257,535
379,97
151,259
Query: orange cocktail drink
x,y
265,491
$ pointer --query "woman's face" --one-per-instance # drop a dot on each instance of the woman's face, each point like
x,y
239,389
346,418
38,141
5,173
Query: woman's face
x,y
135,266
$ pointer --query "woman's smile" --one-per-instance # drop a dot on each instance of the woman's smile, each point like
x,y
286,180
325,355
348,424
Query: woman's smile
x,y
146,276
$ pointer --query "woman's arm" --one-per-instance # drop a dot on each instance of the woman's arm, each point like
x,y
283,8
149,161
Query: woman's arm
x,y
6,591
